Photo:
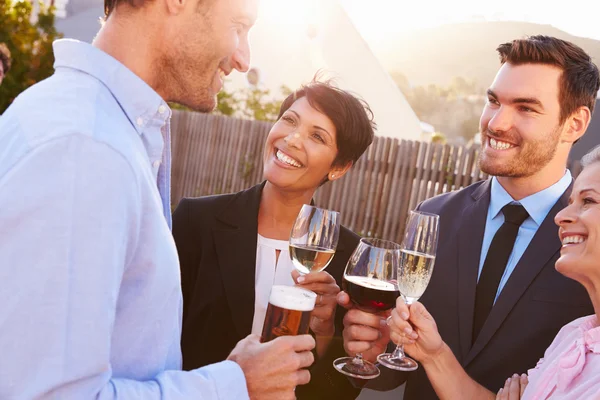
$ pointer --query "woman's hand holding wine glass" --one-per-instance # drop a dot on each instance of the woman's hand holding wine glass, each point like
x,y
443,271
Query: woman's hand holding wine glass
x,y
324,285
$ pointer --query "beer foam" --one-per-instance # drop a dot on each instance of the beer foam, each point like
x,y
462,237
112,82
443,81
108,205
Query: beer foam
x,y
292,298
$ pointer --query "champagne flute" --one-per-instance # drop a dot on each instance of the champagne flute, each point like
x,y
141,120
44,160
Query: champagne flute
x,y
417,256
370,281
314,238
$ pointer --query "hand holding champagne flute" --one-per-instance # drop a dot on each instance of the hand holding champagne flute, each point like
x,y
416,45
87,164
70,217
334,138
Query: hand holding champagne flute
x,y
417,256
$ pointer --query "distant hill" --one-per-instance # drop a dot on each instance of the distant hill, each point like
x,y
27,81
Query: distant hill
x,y
436,55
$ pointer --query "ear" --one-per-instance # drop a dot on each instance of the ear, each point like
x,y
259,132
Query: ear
x,y
175,7
576,125
339,171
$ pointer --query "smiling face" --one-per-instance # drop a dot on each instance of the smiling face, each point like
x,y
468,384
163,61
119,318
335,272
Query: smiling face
x,y
211,41
301,148
579,229
520,129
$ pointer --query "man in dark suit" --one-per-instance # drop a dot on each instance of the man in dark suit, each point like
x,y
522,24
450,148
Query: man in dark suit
x,y
495,295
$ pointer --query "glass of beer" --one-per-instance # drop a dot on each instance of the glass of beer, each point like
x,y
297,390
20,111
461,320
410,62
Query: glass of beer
x,y
288,312
370,281
417,256
314,238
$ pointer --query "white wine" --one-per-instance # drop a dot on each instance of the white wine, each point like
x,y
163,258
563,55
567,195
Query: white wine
x,y
308,259
414,273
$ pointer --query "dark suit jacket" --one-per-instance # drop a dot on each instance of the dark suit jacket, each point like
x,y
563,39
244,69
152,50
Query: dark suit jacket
x,y
532,307
216,240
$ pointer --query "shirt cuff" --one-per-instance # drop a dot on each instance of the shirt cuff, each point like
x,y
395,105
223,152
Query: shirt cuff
x,y
229,380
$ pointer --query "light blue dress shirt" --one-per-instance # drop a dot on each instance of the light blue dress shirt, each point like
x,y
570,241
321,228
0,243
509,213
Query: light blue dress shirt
x,y
538,206
89,277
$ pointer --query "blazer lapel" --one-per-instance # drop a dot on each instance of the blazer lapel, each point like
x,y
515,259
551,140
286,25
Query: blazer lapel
x,y
470,239
235,245
543,246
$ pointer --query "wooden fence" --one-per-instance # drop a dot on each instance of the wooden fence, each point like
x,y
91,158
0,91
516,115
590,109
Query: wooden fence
x,y
215,154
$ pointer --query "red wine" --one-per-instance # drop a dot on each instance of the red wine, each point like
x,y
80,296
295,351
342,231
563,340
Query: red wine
x,y
371,295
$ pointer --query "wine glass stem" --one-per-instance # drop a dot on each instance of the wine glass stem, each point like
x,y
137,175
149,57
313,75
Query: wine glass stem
x,y
358,359
398,352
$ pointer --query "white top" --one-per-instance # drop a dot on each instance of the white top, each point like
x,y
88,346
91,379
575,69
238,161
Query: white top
x,y
269,272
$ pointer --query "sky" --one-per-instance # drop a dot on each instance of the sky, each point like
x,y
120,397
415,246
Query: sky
x,y
376,19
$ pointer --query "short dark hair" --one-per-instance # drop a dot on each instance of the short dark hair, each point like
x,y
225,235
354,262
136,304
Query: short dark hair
x,y
580,80
351,116
5,58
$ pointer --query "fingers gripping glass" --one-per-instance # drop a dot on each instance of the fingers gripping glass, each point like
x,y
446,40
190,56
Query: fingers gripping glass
x,y
370,281
417,256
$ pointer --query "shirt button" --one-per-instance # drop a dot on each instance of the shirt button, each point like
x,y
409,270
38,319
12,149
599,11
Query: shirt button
x,y
140,121
156,163
162,109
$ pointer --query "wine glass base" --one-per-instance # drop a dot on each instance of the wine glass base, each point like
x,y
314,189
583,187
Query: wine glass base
x,y
399,364
362,370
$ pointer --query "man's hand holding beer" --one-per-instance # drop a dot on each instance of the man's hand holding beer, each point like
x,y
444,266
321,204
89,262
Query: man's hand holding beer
x,y
322,321
274,369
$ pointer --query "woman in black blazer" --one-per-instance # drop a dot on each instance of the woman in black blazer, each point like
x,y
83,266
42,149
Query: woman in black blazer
x,y
321,131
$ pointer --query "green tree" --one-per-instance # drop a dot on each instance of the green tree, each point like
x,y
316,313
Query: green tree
x,y
452,109
250,103
30,45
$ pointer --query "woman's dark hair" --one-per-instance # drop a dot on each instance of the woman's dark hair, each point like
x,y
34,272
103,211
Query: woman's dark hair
x,y
351,116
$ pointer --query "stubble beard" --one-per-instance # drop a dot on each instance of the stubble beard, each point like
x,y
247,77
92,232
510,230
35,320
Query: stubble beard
x,y
532,156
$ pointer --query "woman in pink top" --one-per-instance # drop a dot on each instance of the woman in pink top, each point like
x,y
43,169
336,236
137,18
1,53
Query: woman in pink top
x,y
570,368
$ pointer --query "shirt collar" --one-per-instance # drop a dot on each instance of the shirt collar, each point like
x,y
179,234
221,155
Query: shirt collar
x,y
137,99
538,205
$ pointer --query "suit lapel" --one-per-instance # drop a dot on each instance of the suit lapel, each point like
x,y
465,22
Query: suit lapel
x,y
235,245
543,246
470,239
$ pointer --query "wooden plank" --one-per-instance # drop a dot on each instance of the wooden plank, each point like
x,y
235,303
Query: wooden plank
x,y
415,153
374,167
396,161
384,186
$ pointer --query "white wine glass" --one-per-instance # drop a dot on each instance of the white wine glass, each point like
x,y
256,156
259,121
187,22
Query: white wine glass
x,y
314,238
417,257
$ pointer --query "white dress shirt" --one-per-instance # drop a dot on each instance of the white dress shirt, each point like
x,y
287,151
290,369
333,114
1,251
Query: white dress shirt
x,y
269,272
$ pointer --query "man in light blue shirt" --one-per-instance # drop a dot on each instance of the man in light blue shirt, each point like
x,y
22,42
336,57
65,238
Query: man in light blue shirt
x,y
89,276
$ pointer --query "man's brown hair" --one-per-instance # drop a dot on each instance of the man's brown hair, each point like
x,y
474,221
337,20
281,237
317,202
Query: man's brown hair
x,y
110,5
579,82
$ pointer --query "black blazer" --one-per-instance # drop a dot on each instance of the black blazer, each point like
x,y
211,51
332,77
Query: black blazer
x,y
532,307
216,238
